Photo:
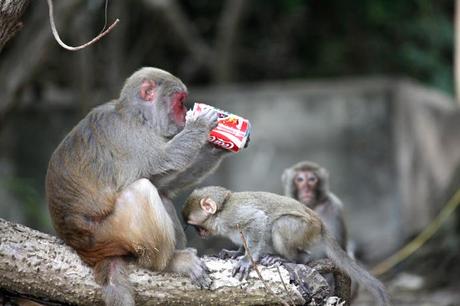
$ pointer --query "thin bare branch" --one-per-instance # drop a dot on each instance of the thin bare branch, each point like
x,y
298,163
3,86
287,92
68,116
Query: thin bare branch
x,y
457,51
70,48
269,290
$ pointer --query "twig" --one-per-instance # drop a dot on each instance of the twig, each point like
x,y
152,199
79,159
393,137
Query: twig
x,y
245,243
284,284
70,48
421,238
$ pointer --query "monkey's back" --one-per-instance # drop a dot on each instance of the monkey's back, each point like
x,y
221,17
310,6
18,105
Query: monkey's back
x,y
270,204
85,173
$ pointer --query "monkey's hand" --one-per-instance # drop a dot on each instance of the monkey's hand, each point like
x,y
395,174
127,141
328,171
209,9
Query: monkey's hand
x,y
188,263
198,273
227,254
207,120
242,268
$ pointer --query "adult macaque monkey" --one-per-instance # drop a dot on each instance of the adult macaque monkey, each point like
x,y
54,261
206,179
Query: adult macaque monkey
x,y
110,180
308,183
272,225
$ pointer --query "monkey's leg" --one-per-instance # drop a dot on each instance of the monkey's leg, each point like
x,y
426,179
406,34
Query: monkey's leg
x,y
256,243
187,262
143,221
141,224
181,240
291,236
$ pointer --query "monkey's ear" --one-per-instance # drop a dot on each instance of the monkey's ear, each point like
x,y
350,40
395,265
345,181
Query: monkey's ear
x,y
208,205
147,90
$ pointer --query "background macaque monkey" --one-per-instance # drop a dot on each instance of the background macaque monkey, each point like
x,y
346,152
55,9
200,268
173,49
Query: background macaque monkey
x,y
272,225
308,183
110,180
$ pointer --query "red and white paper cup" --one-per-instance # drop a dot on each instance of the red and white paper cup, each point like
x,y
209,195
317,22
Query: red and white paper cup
x,y
232,131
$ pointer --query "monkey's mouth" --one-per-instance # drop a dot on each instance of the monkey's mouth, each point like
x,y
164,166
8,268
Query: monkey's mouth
x,y
204,233
305,197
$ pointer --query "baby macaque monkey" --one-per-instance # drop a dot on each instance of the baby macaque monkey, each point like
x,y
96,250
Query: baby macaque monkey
x,y
272,225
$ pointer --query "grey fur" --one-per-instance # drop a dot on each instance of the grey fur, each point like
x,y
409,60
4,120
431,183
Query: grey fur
x,y
273,224
117,144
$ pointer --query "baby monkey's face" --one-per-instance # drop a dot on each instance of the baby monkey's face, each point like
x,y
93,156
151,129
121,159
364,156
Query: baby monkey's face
x,y
197,212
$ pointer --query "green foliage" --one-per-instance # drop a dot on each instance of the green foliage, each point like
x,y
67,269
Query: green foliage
x,y
30,199
335,38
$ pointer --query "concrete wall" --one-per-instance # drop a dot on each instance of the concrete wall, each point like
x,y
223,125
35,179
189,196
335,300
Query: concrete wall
x,y
390,145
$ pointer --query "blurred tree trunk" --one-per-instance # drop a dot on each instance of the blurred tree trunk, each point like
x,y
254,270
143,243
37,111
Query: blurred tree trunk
x,y
10,13
457,51
24,57
227,34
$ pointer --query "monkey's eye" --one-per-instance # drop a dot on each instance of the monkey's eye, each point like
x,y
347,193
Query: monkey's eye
x,y
312,179
299,179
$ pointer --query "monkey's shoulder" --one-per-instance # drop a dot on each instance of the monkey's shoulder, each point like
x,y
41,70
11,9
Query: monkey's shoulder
x,y
332,202
90,136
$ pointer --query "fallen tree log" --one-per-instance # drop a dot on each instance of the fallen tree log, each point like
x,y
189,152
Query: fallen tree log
x,y
42,267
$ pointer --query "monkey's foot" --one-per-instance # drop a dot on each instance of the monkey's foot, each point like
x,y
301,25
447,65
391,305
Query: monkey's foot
x,y
299,274
242,268
199,273
227,254
270,260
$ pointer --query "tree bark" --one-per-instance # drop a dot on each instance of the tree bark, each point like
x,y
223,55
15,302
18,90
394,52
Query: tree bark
x,y
10,13
42,267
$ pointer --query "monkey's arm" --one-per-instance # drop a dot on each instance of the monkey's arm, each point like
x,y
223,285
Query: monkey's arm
x,y
204,164
257,237
335,222
182,149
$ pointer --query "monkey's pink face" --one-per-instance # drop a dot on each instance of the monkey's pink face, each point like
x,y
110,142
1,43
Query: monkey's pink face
x,y
178,109
149,92
306,183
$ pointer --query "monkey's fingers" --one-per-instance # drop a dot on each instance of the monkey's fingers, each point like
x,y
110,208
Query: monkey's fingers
x,y
242,269
202,280
209,116
199,276
205,267
269,260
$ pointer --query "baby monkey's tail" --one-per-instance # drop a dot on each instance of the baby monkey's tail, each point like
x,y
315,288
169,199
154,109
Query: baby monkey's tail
x,y
353,269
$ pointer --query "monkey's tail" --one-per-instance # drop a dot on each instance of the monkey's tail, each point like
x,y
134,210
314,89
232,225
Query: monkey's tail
x,y
111,273
353,269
